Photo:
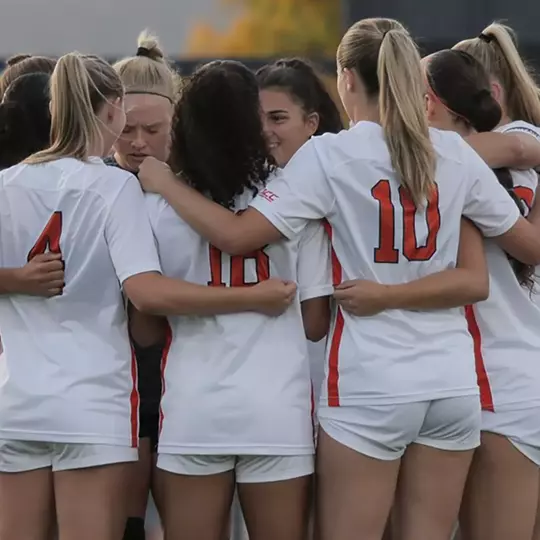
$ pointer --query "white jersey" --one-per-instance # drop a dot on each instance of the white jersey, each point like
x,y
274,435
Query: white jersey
x,y
506,326
238,383
396,356
67,374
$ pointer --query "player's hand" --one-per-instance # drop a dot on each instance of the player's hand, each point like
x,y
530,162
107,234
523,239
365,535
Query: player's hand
x,y
42,276
274,296
361,297
154,175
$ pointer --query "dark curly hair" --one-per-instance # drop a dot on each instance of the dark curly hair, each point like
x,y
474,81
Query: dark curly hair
x,y
218,145
300,80
25,120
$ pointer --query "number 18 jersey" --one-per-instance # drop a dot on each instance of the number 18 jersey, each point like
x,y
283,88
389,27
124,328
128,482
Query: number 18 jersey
x,y
238,383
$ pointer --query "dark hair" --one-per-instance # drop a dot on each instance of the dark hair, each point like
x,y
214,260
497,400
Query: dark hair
x,y
23,65
462,84
16,58
218,143
25,121
300,80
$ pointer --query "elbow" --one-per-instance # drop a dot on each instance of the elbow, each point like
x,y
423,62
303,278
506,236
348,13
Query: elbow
x,y
316,333
479,291
145,304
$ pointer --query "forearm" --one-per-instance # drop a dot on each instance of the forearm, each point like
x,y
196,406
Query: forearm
x,y
442,290
159,295
497,149
10,282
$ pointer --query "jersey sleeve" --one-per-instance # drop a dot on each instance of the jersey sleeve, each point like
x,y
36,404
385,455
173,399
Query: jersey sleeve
x,y
522,127
129,234
314,269
299,193
487,203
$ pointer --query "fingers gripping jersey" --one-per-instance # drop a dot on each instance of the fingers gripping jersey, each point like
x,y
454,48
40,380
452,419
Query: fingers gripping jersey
x,y
239,383
377,234
67,373
506,326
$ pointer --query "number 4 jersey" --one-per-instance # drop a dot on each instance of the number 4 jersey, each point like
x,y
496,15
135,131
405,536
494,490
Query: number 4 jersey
x,y
239,383
377,234
67,373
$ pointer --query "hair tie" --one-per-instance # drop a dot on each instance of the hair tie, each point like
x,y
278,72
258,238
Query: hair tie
x,y
485,38
384,34
143,51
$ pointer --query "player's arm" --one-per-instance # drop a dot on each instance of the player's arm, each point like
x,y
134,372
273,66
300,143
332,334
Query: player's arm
x,y
489,206
229,232
41,276
516,150
291,200
468,283
146,330
314,275
135,259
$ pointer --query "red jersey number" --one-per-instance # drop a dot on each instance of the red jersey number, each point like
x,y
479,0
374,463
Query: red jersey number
x,y
387,252
237,272
49,239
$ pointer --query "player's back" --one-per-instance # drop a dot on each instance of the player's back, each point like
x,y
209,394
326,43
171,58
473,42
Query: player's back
x,y
72,348
505,326
236,383
378,234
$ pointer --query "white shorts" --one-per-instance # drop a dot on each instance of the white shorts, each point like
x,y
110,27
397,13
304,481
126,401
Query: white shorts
x,y
520,427
384,431
248,469
22,456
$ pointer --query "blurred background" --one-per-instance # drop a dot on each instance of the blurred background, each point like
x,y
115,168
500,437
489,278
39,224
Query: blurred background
x,y
255,30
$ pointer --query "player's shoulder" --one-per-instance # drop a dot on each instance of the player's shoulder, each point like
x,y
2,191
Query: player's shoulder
x,y
520,126
450,146
162,215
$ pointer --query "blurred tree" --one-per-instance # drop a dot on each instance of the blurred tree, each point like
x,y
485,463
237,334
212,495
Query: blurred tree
x,y
272,28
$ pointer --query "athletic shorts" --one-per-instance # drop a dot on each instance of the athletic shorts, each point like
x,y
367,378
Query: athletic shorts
x,y
520,427
23,456
149,387
248,469
385,431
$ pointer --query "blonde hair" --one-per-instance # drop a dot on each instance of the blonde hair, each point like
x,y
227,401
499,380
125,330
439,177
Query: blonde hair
x,y
80,86
496,50
148,72
386,59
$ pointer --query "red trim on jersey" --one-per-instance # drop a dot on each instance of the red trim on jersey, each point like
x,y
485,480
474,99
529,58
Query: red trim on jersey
x,y
313,412
526,194
134,401
164,358
486,397
335,340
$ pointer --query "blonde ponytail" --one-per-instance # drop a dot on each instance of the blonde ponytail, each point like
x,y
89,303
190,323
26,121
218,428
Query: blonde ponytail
x,y
495,48
403,116
386,59
80,85
148,72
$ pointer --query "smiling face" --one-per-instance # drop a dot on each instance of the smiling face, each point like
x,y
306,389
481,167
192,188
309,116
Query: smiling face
x,y
147,130
286,125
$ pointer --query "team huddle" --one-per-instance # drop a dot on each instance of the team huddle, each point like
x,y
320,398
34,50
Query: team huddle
x,y
168,248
